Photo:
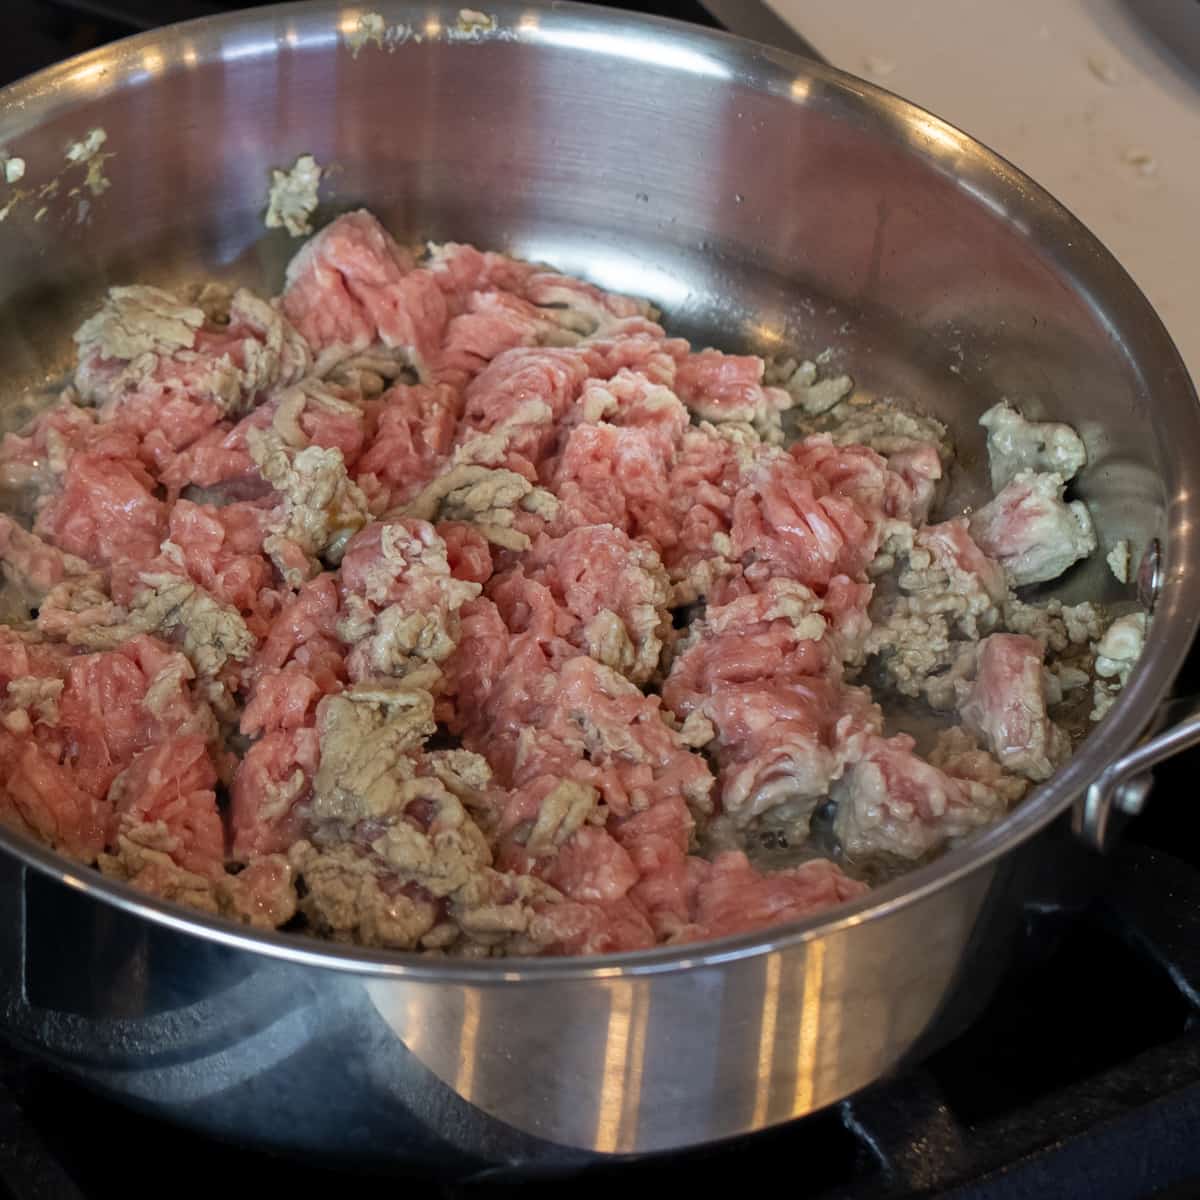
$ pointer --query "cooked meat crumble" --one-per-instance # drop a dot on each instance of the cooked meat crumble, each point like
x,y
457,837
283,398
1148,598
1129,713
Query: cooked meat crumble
x,y
445,603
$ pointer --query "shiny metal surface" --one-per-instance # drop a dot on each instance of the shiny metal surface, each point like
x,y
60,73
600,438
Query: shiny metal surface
x,y
1125,785
1150,576
763,202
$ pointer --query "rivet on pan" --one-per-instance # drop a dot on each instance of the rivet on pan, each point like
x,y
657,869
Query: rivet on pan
x,y
1150,575
1131,796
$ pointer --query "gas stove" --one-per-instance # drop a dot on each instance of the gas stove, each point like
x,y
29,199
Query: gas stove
x,y
1082,1079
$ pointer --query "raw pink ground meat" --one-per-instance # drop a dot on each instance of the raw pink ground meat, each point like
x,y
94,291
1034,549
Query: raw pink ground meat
x,y
107,510
744,641
272,784
167,408
395,570
701,488
492,323
285,698
101,711
721,387
350,287
173,782
413,437
512,694
706,472
557,664
657,841
172,408
339,283
501,396
642,856
612,928
582,567
474,668
789,524
630,398
221,549
101,708
32,457
618,476
1032,531
729,896
860,474
622,732
57,775
47,799
920,466
951,542
467,550
565,583
843,605
518,807
592,866
306,632
460,270
1005,706
219,456
335,428
29,561
634,344
401,562
550,288
782,740
301,661
588,724
368,571
745,713
41,789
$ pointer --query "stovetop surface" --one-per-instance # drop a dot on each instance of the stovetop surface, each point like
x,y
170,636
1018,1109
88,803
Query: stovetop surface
x,y
1082,1078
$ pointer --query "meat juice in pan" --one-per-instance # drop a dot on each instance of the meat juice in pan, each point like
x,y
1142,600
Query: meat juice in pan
x,y
446,603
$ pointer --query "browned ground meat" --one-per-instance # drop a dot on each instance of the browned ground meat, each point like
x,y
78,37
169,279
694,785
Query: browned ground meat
x,y
444,603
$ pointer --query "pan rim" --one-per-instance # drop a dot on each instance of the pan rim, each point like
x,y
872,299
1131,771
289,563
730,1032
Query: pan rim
x,y
70,84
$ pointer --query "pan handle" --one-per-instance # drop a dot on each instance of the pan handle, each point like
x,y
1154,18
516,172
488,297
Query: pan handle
x,y
1125,784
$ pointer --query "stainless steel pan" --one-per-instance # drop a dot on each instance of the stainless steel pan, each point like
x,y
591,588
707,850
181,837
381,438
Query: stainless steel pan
x,y
763,201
